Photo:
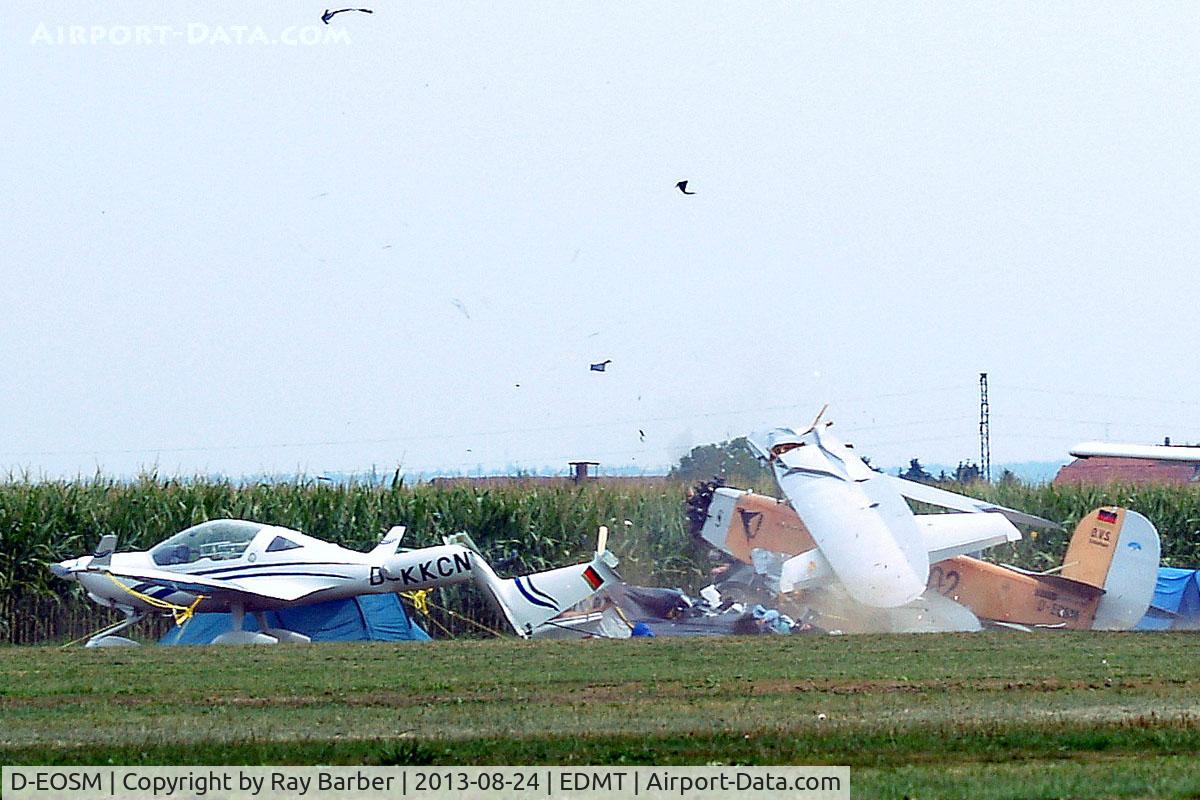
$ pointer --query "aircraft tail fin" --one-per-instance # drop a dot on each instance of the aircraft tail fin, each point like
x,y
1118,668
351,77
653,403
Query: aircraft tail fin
x,y
389,543
1116,550
529,600
103,555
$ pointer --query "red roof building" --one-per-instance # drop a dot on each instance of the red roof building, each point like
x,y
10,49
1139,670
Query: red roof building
x,y
1138,471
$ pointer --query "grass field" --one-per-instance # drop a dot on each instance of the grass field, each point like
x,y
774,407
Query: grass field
x,y
975,715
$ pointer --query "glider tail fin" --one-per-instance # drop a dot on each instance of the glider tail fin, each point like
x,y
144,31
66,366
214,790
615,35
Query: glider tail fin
x,y
1116,550
529,600
103,555
389,543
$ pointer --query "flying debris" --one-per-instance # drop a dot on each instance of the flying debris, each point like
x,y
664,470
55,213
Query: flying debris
x,y
682,185
601,366
641,434
238,566
461,306
328,15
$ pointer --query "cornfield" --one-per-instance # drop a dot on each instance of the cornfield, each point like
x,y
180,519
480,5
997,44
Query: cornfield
x,y
521,527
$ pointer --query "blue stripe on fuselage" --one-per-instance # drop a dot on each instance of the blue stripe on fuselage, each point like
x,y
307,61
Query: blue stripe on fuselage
x,y
539,592
279,564
521,588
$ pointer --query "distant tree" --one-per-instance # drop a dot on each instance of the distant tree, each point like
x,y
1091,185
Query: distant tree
x,y
916,472
966,472
1008,477
733,461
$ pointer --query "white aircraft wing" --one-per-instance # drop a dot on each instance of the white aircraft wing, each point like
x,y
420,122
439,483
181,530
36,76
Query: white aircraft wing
x,y
949,535
863,527
1158,452
279,588
944,535
934,496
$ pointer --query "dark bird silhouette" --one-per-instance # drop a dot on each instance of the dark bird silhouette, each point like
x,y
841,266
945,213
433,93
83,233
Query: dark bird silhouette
x,y
683,187
641,434
601,366
328,15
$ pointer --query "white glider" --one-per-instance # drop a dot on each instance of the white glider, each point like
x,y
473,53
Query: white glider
x,y
238,566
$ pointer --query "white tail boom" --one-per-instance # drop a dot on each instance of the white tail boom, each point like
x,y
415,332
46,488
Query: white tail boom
x,y
530,600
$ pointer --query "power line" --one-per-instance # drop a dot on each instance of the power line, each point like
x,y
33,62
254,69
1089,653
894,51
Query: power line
x,y
459,434
1092,395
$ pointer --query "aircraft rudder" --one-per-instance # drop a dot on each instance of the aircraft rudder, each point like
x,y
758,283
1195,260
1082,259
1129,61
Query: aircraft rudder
x,y
104,551
1132,575
528,601
1092,547
1116,550
390,542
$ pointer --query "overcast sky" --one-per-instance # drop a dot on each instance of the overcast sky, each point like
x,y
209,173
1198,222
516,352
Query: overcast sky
x,y
401,238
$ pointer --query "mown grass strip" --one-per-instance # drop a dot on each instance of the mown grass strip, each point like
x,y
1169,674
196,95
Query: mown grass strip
x,y
937,745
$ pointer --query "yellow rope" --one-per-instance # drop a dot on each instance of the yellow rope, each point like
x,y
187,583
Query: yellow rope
x,y
421,603
419,600
99,632
181,613
621,614
479,625
441,627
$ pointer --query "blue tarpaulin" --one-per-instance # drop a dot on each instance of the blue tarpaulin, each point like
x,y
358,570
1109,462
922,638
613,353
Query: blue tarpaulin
x,y
1176,602
368,617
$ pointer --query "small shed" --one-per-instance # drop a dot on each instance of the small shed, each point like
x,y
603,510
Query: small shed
x,y
582,470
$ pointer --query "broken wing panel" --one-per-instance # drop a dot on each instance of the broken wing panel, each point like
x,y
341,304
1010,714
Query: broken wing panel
x,y
861,524
934,496
865,542
948,535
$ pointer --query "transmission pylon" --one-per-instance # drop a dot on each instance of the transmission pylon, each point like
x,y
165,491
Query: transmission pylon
x,y
985,444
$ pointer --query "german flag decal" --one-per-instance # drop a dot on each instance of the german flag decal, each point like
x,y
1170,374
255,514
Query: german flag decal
x,y
593,578
1104,515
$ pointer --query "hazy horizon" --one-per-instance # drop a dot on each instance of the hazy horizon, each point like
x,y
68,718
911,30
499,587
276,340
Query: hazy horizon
x,y
241,241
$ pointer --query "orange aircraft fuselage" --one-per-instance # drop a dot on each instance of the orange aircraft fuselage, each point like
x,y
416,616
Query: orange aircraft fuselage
x,y
990,591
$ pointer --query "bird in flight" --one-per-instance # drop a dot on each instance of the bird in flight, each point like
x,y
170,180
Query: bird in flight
x,y
683,187
600,367
328,15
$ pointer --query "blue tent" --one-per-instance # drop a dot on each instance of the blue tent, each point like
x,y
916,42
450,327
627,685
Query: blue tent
x,y
1176,602
368,617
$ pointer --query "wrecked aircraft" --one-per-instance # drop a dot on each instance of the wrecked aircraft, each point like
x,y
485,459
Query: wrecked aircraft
x,y
847,552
